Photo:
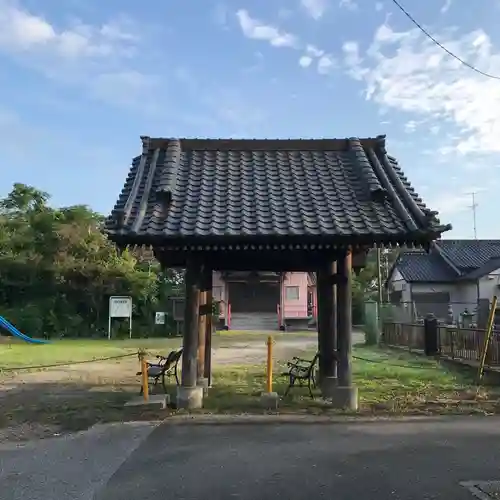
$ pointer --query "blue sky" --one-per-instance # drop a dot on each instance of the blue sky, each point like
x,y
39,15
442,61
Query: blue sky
x,y
81,80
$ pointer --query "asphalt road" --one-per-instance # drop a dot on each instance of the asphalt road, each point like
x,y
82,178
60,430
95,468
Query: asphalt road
x,y
373,461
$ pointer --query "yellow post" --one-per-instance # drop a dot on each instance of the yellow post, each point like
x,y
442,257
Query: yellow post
x,y
269,379
487,338
145,383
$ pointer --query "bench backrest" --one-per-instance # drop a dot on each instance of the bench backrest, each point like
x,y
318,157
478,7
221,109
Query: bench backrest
x,y
176,357
172,359
310,368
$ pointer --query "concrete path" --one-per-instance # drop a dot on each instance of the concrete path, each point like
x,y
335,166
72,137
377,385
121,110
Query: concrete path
x,y
348,461
69,467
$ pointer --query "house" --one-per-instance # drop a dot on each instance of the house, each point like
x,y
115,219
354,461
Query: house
x,y
450,279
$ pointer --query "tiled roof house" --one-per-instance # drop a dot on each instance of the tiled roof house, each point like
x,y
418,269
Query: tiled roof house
x,y
456,272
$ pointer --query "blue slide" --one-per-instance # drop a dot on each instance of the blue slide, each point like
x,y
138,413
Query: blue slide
x,y
16,333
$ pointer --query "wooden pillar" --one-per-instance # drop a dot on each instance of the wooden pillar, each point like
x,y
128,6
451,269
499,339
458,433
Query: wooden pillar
x,y
327,325
202,322
191,315
344,311
207,374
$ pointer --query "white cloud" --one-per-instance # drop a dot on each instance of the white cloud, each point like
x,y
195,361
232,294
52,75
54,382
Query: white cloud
x,y
353,60
348,4
446,6
23,33
305,61
411,126
405,71
257,30
89,56
312,50
379,6
315,8
326,64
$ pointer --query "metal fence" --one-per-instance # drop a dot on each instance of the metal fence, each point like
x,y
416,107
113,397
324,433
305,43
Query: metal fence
x,y
465,344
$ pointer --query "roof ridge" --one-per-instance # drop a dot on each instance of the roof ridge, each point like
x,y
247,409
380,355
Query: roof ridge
x,y
400,188
446,259
386,183
374,185
164,193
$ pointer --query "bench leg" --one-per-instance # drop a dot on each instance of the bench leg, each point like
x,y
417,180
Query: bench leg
x,y
309,387
290,385
163,383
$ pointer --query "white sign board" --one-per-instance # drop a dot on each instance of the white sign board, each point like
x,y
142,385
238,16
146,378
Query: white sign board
x,y
120,307
160,318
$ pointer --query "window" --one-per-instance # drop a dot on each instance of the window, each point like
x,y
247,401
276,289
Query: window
x,y
291,293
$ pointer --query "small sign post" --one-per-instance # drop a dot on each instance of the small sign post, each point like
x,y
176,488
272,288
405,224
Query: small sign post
x,y
160,318
120,307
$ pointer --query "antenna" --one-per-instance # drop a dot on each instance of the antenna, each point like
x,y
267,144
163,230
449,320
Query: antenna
x,y
474,207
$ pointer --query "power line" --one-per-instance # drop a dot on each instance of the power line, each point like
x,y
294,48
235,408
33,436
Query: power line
x,y
427,34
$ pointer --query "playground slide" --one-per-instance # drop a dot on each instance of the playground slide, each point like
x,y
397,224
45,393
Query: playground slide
x,y
16,333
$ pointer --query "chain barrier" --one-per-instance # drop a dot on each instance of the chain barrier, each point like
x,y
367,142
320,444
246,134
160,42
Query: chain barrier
x,y
56,365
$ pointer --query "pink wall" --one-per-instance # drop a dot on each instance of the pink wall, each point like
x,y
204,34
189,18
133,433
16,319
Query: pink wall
x,y
292,308
295,307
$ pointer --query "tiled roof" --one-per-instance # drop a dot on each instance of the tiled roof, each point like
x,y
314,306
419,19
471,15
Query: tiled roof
x,y
450,260
212,188
469,255
424,267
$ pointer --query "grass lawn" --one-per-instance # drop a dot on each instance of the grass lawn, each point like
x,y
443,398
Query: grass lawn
x,y
388,382
42,402
21,354
67,351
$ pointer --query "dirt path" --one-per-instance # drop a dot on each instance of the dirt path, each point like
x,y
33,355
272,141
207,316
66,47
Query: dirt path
x,y
253,353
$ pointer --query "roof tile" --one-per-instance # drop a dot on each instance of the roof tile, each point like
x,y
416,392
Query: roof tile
x,y
214,187
450,260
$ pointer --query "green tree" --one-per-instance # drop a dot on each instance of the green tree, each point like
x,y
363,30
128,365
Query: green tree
x,y
57,269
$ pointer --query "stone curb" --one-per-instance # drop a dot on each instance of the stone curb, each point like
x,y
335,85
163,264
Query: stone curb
x,y
206,419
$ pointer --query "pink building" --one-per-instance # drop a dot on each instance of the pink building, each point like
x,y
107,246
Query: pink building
x,y
265,300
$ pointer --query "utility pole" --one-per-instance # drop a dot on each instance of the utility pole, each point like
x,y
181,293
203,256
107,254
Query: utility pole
x,y
474,207
379,277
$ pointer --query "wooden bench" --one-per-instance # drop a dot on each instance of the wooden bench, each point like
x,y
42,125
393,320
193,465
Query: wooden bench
x,y
301,370
166,367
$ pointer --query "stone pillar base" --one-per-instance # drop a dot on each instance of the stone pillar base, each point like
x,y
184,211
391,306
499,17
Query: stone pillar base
x,y
269,400
345,398
328,386
203,383
189,398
